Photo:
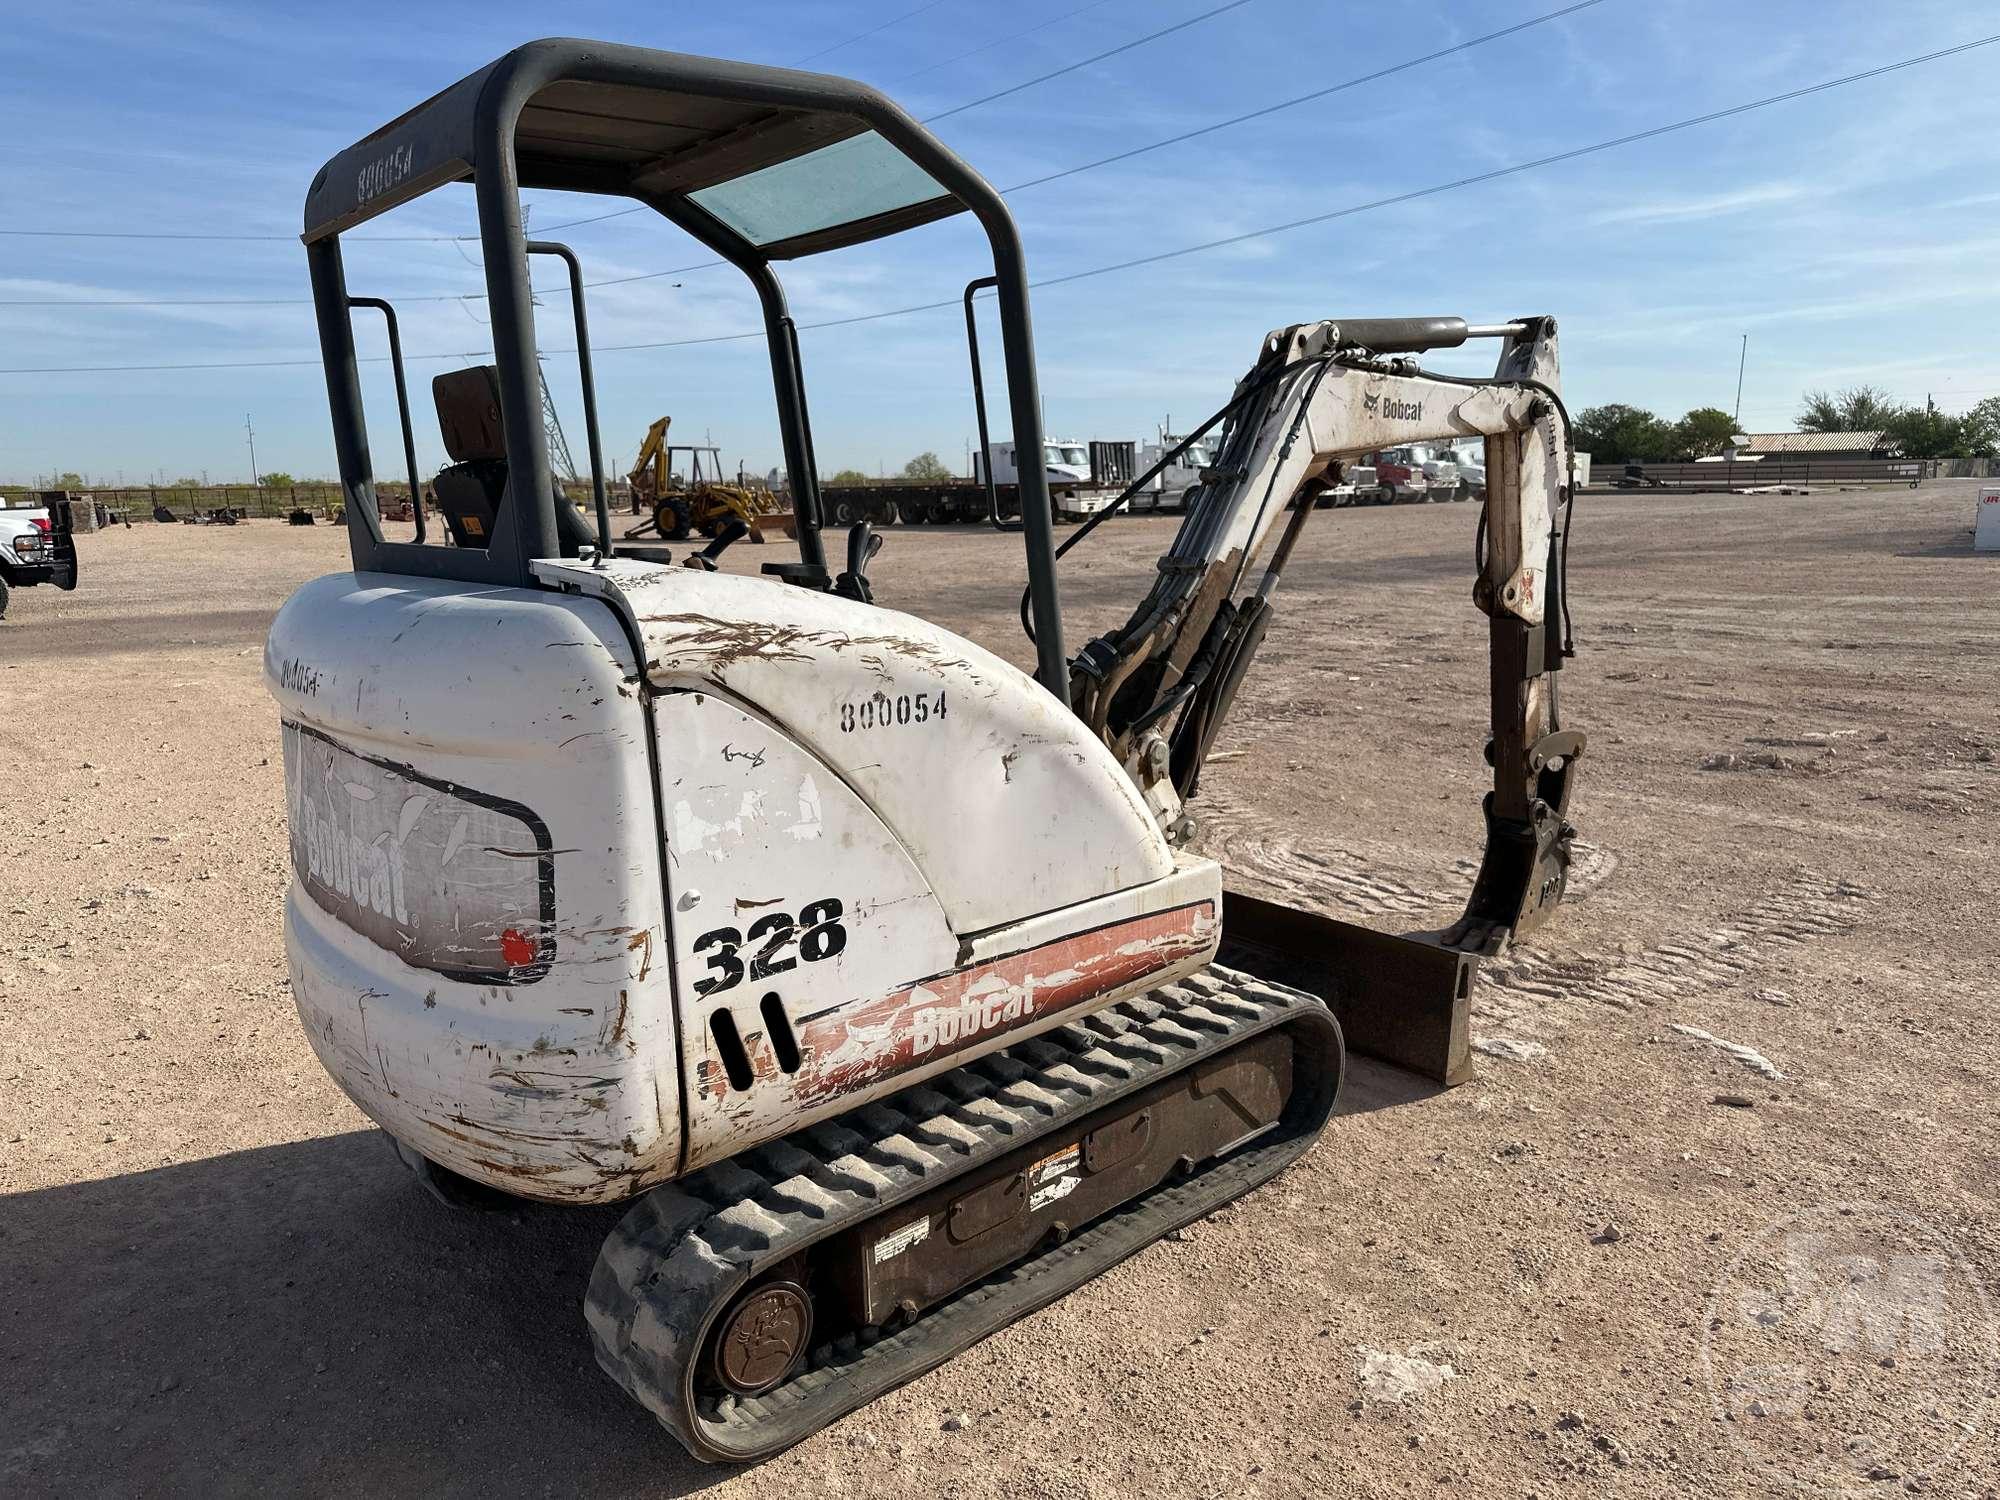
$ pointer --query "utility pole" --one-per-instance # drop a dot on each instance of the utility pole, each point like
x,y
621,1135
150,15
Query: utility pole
x,y
1741,360
253,448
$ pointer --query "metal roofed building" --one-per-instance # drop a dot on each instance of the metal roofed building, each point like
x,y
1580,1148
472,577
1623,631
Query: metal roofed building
x,y
1812,445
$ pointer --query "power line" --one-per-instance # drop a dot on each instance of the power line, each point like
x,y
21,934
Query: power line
x,y
908,15
1146,260
555,291
1272,109
178,234
959,109
137,234
1151,36
1014,36
1528,166
1379,73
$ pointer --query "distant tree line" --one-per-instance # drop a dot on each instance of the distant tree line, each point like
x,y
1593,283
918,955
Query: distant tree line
x,y
1631,434
1920,431
277,479
923,466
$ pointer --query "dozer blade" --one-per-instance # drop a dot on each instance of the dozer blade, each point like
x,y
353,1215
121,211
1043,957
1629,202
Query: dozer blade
x,y
754,1302
1401,999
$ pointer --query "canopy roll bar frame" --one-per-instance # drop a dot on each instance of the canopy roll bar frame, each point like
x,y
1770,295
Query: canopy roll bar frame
x,y
471,131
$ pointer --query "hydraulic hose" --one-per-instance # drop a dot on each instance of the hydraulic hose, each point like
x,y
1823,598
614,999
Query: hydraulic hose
x,y
1124,497
1568,484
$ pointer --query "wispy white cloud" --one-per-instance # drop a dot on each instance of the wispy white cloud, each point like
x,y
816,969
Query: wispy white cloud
x,y
1970,200
1675,210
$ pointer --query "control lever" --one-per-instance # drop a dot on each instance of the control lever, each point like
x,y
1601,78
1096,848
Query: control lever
x,y
862,545
733,531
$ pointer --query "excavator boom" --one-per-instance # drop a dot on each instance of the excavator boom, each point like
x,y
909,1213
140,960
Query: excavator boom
x,y
1157,690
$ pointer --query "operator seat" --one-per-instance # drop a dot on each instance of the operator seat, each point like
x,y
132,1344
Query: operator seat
x,y
471,489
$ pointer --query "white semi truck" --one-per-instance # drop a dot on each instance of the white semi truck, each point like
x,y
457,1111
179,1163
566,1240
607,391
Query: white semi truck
x,y
1168,489
1083,477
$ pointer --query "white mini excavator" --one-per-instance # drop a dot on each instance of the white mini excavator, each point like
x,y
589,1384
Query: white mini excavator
x,y
879,977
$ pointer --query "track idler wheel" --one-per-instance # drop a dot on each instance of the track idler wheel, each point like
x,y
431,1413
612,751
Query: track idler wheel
x,y
760,1341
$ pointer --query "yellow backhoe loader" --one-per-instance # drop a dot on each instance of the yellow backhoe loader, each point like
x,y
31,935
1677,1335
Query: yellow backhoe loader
x,y
696,500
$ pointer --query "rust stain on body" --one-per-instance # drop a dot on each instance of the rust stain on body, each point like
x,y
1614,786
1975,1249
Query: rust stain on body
x,y
642,939
614,1031
967,1008
718,644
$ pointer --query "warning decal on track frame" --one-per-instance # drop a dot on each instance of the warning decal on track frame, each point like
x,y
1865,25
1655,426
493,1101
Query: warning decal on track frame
x,y
892,1245
1054,1178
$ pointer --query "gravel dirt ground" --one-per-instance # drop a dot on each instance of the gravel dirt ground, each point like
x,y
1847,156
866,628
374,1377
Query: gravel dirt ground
x,y
1583,1273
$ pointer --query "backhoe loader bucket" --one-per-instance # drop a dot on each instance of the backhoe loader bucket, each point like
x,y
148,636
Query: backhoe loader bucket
x,y
1404,1000
1407,999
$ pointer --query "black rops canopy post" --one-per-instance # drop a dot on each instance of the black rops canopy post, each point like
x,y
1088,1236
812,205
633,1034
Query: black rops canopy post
x,y
760,164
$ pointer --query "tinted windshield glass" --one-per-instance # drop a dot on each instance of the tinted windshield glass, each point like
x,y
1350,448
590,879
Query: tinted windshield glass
x,y
837,184
1056,453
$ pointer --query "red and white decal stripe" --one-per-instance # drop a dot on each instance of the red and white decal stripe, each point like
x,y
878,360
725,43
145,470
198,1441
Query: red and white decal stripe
x,y
967,1008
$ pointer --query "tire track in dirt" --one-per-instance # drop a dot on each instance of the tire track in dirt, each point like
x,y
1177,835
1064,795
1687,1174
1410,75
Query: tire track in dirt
x,y
1316,874
1319,875
1538,997
1523,995
1336,880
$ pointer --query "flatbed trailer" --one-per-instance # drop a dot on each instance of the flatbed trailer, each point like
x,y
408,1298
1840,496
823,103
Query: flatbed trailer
x,y
909,502
938,502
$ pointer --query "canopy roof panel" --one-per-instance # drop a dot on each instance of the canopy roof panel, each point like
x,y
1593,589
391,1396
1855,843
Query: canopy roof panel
x,y
849,182
792,162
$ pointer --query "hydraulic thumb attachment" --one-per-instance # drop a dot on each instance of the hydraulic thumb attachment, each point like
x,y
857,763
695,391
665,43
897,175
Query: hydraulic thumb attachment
x,y
1158,689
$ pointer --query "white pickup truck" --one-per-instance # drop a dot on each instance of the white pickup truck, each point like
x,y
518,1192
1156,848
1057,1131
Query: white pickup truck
x,y
35,547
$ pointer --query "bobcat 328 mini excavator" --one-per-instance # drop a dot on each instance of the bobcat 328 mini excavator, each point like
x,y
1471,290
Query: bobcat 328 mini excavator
x,y
877,975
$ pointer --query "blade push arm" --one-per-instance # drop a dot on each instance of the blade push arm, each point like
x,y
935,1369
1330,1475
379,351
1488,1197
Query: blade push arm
x,y
1157,690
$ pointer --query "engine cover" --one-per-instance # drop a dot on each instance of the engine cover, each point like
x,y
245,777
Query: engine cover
x,y
597,884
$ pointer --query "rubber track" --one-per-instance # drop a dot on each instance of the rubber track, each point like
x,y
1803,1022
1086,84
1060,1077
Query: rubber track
x,y
679,1257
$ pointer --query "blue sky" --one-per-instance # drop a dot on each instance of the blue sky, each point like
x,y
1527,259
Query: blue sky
x,y
1852,234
